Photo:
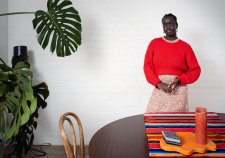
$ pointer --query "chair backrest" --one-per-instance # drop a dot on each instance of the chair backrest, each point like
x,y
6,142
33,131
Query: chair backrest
x,y
71,151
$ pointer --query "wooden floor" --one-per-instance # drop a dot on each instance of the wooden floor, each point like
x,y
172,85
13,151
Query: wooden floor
x,y
52,151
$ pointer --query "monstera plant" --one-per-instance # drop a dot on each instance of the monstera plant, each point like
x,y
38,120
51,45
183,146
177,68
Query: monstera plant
x,y
17,100
17,95
59,27
23,141
19,105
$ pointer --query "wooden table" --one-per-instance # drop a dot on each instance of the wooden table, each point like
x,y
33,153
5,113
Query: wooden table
x,y
124,138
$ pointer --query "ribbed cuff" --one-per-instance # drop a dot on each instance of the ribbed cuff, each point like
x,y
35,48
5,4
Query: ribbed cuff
x,y
182,79
155,82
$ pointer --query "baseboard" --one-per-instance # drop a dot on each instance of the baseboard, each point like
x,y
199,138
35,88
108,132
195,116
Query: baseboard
x,y
58,148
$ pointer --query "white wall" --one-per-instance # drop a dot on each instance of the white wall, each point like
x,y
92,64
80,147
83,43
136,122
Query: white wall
x,y
3,31
104,80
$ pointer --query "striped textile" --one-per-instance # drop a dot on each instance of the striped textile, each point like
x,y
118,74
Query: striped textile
x,y
182,122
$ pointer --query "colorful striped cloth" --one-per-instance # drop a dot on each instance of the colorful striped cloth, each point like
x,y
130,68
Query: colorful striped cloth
x,y
182,122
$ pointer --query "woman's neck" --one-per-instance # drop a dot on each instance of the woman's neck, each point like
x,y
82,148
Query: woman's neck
x,y
170,41
170,38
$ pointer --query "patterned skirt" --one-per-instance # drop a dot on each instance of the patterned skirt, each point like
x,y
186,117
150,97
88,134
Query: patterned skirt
x,y
176,101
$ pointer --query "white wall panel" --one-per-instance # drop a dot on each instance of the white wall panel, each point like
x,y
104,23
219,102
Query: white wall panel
x,y
4,31
104,80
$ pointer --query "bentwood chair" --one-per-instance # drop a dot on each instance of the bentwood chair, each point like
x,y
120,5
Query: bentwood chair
x,y
71,151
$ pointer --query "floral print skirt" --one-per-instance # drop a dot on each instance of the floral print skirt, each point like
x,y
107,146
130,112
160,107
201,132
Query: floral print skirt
x,y
176,101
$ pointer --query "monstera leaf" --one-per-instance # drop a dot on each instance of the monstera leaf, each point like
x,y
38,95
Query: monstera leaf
x,y
23,141
18,97
62,24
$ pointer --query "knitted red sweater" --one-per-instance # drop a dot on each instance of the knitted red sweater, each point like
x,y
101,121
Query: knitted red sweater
x,y
164,58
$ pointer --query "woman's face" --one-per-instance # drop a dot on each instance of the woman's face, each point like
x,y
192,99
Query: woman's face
x,y
169,26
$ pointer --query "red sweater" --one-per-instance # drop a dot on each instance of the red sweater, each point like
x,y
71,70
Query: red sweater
x,y
164,58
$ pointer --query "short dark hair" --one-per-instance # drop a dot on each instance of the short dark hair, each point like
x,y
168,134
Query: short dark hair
x,y
171,16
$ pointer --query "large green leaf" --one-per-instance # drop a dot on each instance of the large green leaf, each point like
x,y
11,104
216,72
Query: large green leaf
x,y
4,72
3,89
41,90
4,67
3,122
62,24
13,104
23,141
6,79
18,96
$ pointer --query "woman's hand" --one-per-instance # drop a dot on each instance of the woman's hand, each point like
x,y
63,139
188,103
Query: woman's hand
x,y
163,86
173,85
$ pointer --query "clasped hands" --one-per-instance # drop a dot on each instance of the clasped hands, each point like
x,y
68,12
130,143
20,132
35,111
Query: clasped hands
x,y
168,88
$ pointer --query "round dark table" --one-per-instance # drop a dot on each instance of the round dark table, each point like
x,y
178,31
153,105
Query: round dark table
x,y
124,138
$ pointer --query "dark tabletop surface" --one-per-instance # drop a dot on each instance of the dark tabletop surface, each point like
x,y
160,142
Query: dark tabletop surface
x,y
124,138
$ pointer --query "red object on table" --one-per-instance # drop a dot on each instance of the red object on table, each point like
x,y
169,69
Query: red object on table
x,y
183,122
201,125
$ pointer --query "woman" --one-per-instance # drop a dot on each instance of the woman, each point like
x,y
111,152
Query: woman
x,y
170,64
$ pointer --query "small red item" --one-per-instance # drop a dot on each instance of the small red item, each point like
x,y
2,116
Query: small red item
x,y
201,125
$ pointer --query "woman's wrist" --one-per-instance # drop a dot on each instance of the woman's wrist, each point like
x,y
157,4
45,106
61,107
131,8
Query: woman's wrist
x,y
177,80
158,84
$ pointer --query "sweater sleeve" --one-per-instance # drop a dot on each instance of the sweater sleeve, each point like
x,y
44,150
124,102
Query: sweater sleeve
x,y
194,70
150,74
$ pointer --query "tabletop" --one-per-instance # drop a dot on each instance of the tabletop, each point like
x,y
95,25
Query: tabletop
x,y
124,138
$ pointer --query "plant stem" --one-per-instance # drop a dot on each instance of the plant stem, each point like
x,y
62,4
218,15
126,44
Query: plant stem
x,y
14,13
2,61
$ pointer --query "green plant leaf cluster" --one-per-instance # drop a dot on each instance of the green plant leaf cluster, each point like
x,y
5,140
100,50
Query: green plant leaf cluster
x,y
23,141
3,122
20,99
16,95
62,24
